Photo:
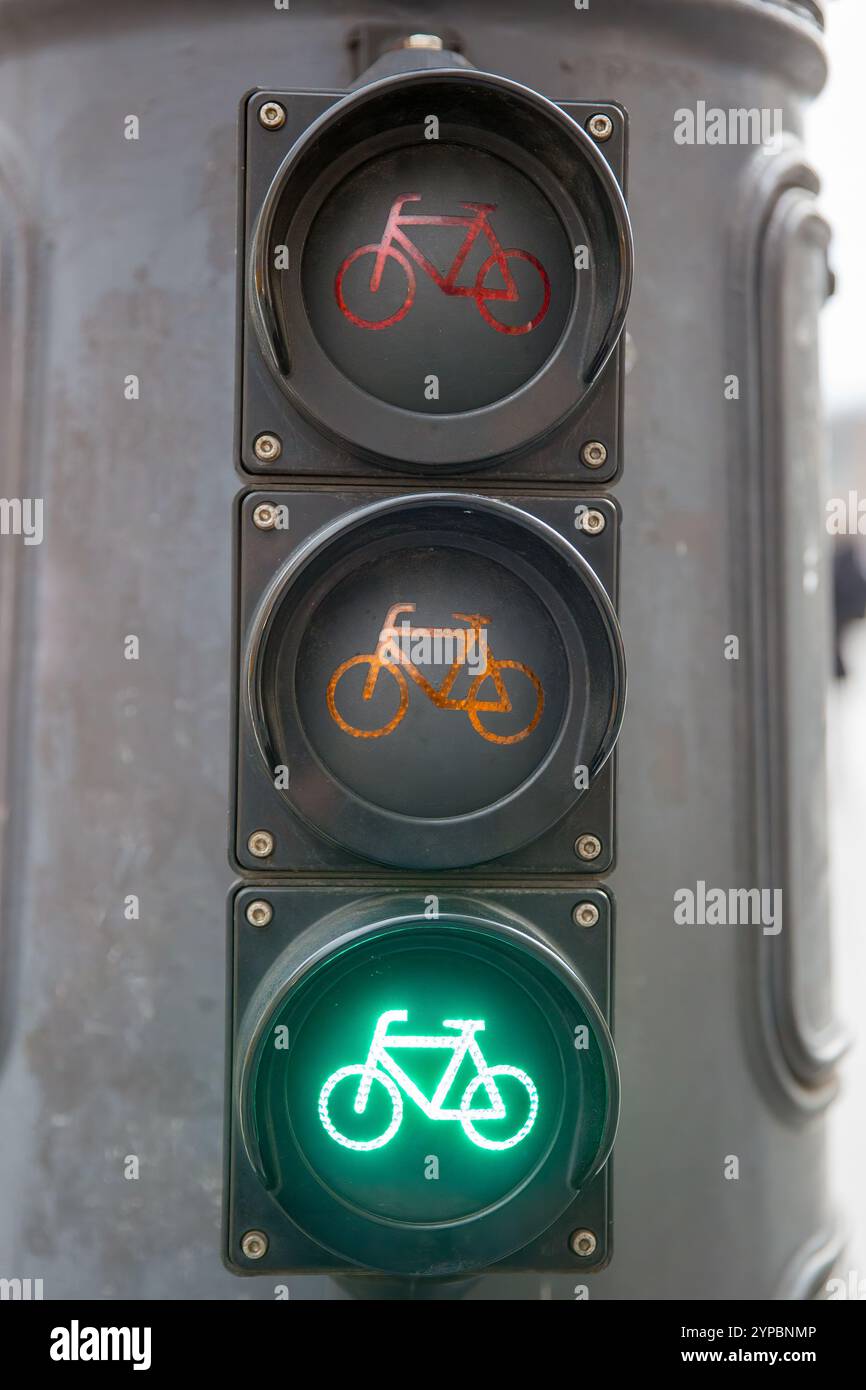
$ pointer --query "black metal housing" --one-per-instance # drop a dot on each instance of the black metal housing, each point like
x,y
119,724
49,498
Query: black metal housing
x,y
323,821
311,923
327,425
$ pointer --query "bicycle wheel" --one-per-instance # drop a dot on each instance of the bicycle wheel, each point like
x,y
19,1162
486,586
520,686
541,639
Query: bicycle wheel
x,y
351,728
483,296
389,319
478,684
469,1127
361,1145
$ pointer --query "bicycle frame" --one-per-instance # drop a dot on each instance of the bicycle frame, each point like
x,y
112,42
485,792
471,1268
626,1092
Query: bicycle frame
x,y
389,653
447,283
378,1058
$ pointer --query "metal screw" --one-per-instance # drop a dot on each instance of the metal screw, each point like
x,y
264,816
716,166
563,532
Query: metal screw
x,y
272,115
265,516
254,1244
267,447
593,454
259,913
583,1243
600,127
261,843
423,41
584,915
588,846
591,521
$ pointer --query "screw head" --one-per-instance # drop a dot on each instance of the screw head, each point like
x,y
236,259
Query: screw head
x,y
259,913
592,521
593,454
600,127
588,847
265,516
584,915
583,1244
254,1244
267,448
261,844
272,115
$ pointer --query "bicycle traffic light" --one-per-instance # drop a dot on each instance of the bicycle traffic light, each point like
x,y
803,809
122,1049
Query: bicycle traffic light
x,y
437,273
423,1083
430,678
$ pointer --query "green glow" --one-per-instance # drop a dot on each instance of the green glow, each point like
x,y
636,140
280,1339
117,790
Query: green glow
x,y
430,1076
381,1066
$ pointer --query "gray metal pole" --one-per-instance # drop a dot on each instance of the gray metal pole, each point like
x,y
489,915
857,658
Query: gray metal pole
x,y
118,262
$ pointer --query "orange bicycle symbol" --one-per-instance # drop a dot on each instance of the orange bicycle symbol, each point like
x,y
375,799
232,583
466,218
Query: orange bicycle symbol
x,y
389,656
395,237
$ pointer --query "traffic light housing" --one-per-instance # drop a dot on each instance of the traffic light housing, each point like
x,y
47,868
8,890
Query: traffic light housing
x,y
351,1146
363,351
430,678
353,754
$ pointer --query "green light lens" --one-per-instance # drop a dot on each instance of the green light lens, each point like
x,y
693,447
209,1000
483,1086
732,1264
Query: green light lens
x,y
423,1076
425,1083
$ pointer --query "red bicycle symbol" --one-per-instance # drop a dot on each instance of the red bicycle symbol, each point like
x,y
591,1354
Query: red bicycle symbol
x,y
394,237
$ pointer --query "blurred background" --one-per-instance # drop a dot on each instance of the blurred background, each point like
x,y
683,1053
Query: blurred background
x,y
835,133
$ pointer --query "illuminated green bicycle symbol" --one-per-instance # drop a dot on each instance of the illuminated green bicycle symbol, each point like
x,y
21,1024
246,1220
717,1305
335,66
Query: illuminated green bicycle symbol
x,y
381,1067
